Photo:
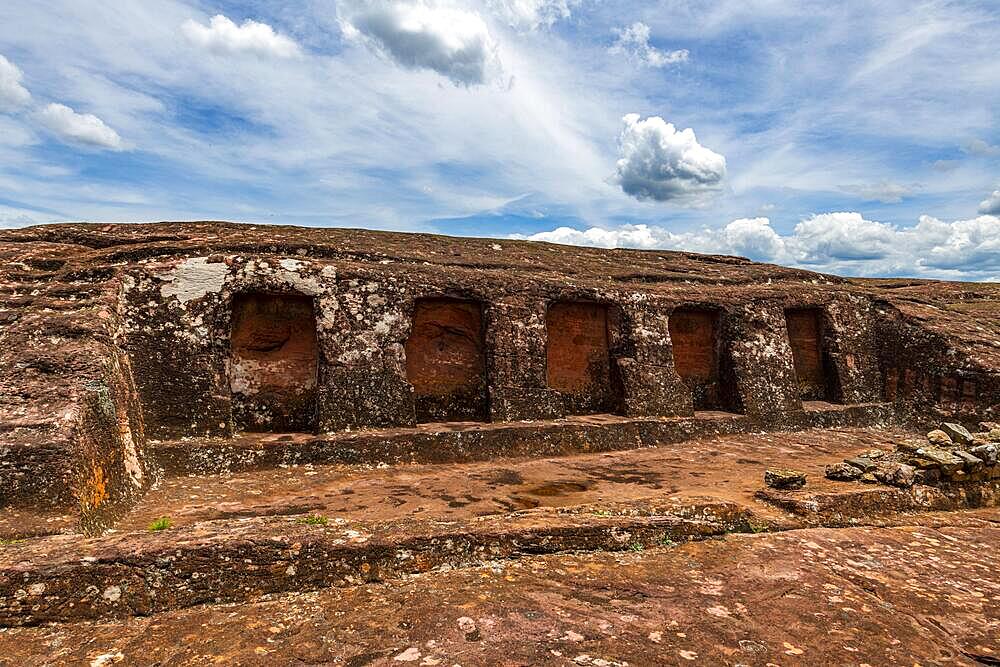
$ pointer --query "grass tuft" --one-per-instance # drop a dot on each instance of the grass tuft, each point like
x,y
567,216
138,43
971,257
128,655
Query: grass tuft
x,y
313,520
162,523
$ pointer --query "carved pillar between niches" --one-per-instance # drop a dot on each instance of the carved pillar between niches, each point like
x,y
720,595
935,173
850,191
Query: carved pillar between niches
x,y
515,338
362,380
852,348
178,351
649,380
762,361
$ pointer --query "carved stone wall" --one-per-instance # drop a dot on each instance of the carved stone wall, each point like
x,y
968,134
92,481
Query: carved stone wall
x,y
446,361
806,337
578,357
273,362
702,358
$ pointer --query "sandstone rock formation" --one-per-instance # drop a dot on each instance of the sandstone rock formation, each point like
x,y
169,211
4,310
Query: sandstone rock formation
x,y
119,335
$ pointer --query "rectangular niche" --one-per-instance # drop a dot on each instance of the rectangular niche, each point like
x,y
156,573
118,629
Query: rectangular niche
x,y
446,361
274,361
699,358
806,336
578,357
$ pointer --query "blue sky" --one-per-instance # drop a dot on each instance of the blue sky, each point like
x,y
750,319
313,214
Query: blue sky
x,y
856,137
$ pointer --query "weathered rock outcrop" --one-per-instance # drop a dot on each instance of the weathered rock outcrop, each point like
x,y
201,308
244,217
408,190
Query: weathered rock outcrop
x,y
115,334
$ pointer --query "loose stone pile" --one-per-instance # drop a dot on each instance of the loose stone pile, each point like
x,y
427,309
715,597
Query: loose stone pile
x,y
949,454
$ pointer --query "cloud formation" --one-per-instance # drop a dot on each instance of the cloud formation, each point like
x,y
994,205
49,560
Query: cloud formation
x,y
421,34
991,205
13,95
633,41
981,148
840,242
886,192
81,128
223,36
531,14
657,162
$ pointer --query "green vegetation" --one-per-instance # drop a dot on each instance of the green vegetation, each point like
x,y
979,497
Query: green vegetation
x,y
313,520
162,523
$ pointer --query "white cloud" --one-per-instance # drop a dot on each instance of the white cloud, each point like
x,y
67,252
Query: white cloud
x,y
421,34
842,243
82,128
991,205
827,237
980,147
886,192
12,94
223,36
11,217
530,14
633,41
658,162
753,237
749,237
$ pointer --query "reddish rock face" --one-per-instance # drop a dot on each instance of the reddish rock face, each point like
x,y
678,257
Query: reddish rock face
x,y
701,360
116,333
445,361
694,334
578,359
805,334
274,361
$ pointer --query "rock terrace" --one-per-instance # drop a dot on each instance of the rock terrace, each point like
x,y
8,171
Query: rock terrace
x,y
207,413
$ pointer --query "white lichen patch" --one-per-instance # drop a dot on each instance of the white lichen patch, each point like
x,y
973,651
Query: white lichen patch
x,y
194,278
292,265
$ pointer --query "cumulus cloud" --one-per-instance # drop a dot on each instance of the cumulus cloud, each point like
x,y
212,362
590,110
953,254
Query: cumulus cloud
x,y
633,41
991,205
660,163
12,94
531,14
81,128
886,192
422,34
841,242
223,36
749,237
827,237
980,147
752,237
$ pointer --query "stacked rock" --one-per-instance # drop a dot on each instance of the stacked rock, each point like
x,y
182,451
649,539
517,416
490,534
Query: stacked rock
x,y
949,453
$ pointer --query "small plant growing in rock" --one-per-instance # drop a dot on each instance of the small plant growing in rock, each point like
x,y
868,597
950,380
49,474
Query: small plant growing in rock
x,y
637,546
162,523
313,520
665,541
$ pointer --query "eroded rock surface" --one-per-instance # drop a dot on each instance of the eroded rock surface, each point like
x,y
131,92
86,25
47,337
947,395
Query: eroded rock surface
x,y
804,597
405,424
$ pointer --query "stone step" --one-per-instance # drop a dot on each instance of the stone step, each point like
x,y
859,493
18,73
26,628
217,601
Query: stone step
x,y
846,506
476,441
922,593
65,578
727,467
